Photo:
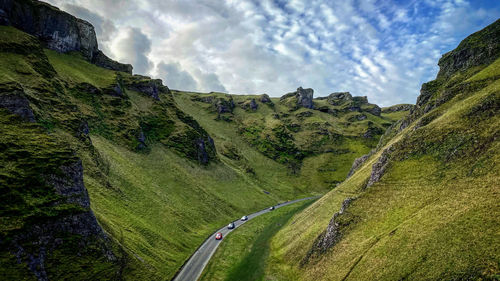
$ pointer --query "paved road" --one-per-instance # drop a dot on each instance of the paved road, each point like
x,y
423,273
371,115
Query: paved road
x,y
193,268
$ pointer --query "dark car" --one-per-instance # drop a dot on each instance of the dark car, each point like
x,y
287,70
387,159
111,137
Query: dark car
x,y
230,226
218,236
271,208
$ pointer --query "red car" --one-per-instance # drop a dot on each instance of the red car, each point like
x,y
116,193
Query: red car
x,y
218,236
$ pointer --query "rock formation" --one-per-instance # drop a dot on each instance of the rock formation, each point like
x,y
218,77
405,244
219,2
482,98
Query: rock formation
x,y
331,235
357,164
58,30
378,169
12,98
301,98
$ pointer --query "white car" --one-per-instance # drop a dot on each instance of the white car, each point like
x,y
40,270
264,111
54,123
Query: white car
x,y
230,226
244,218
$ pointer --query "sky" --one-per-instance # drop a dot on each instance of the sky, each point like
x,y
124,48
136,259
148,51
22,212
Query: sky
x,y
381,49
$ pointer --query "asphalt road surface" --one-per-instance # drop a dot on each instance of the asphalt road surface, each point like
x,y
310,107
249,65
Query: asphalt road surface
x,y
193,268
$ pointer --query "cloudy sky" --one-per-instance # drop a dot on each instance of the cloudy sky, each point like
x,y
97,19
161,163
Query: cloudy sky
x,y
381,49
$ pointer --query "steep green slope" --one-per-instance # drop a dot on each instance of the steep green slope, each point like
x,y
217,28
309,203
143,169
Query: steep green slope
x,y
156,182
424,205
316,144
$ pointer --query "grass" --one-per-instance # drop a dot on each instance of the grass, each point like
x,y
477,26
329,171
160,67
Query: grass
x,y
74,68
433,215
143,198
244,253
316,147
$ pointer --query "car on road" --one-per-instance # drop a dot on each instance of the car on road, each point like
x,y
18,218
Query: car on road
x,y
218,236
244,218
271,208
230,226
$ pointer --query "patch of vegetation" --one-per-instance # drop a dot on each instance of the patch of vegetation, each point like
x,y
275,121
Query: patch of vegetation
x,y
437,197
243,254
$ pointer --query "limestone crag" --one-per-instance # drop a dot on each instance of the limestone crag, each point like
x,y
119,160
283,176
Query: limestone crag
x,y
300,98
47,235
378,169
482,47
57,30
331,235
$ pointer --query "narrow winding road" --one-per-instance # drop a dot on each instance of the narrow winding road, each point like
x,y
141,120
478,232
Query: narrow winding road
x,y
193,268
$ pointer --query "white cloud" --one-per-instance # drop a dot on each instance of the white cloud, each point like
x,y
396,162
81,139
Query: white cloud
x,y
381,49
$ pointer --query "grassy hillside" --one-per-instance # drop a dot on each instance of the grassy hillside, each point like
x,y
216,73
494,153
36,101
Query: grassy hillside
x,y
157,183
431,209
317,146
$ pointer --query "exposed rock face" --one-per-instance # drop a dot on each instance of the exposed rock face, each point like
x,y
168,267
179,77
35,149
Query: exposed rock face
x,y
58,30
253,105
339,98
46,235
145,85
100,59
305,97
331,235
398,107
357,163
265,99
203,156
224,106
13,99
249,105
378,169
482,47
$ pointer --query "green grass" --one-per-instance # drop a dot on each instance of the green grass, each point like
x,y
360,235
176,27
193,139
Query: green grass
x,y
317,149
74,68
433,215
244,252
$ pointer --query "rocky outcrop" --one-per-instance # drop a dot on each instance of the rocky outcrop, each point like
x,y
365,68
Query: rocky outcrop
x,y
482,47
305,97
224,106
398,108
34,244
203,157
100,59
339,98
56,29
301,98
265,99
331,235
13,99
249,105
378,169
146,85
357,164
